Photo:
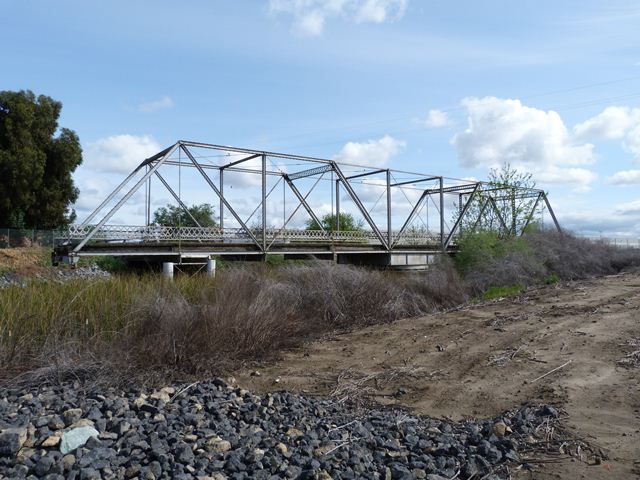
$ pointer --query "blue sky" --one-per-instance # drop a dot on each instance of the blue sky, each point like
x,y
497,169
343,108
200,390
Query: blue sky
x,y
451,88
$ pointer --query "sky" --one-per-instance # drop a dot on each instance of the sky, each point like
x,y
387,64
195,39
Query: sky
x,y
449,88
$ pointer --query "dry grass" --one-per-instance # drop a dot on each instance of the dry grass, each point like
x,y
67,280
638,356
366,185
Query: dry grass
x,y
132,327
144,326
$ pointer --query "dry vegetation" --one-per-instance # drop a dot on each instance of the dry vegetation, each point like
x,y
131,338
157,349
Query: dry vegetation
x,y
141,328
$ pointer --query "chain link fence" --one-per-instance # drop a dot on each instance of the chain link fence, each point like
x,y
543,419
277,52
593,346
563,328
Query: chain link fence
x,y
26,237
623,242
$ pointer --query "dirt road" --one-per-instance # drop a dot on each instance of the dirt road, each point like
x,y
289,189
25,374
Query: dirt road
x,y
485,359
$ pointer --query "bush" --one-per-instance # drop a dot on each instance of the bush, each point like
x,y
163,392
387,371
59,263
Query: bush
x,y
141,326
537,257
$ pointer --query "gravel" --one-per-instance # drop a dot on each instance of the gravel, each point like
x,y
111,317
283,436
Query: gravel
x,y
211,430
92,271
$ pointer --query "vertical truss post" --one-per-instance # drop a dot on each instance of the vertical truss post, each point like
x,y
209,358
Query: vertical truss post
x,y
460,207
221,207
441,185
148,200
514,224
337,205
553,215
264,204
389,231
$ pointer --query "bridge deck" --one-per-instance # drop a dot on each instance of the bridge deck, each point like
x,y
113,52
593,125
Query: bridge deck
x,y
164,242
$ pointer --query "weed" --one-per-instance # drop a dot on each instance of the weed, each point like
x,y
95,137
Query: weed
x,y
501,292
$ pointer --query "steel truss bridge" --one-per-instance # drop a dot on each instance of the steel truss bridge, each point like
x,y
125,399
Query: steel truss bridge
x,y
388,235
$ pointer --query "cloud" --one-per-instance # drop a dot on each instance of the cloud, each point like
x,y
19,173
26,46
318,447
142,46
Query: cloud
x,y
372,153
629,208
625,177
120,153
379,11
611,123
309,16
614,123
437,119
162,104
632,142
506,131
608,224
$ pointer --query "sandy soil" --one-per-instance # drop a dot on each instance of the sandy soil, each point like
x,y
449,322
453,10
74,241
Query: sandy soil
x,y
26,261
483,360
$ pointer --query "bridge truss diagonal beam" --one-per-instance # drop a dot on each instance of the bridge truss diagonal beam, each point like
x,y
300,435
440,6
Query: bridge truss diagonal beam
x,y
360,206
224,200
461,216
303,200
410,218
177,198
126,197
237,162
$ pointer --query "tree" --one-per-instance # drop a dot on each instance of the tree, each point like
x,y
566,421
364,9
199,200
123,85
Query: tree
x,y
35,164
501,200
328,221
173,216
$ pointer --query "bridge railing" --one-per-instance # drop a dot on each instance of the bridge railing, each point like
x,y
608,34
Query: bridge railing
x,y
157,233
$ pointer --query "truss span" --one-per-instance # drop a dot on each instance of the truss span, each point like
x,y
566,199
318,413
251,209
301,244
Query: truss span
x,y
397,211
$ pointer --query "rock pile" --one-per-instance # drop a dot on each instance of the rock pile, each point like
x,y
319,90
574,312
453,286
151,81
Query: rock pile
x,y
211,430
89,271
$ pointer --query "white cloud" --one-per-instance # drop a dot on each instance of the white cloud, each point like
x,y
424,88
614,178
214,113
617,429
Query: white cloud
x,y
437,119
611,123
378,11
506,131
373,153
629,208
625,177
614,123
632,142
149,107
120,153
309,16
607,224
92,191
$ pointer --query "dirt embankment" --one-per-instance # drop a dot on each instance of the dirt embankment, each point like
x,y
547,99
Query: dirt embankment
x,y
482,360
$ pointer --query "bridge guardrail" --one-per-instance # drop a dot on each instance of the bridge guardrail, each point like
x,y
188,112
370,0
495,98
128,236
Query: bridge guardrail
x,y
157,233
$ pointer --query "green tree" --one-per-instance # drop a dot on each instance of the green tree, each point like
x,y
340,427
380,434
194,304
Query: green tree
x,y
328,221
501,198
35,164
173,216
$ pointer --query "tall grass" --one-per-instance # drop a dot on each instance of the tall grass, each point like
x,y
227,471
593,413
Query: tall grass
x,y
194,325
133,327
